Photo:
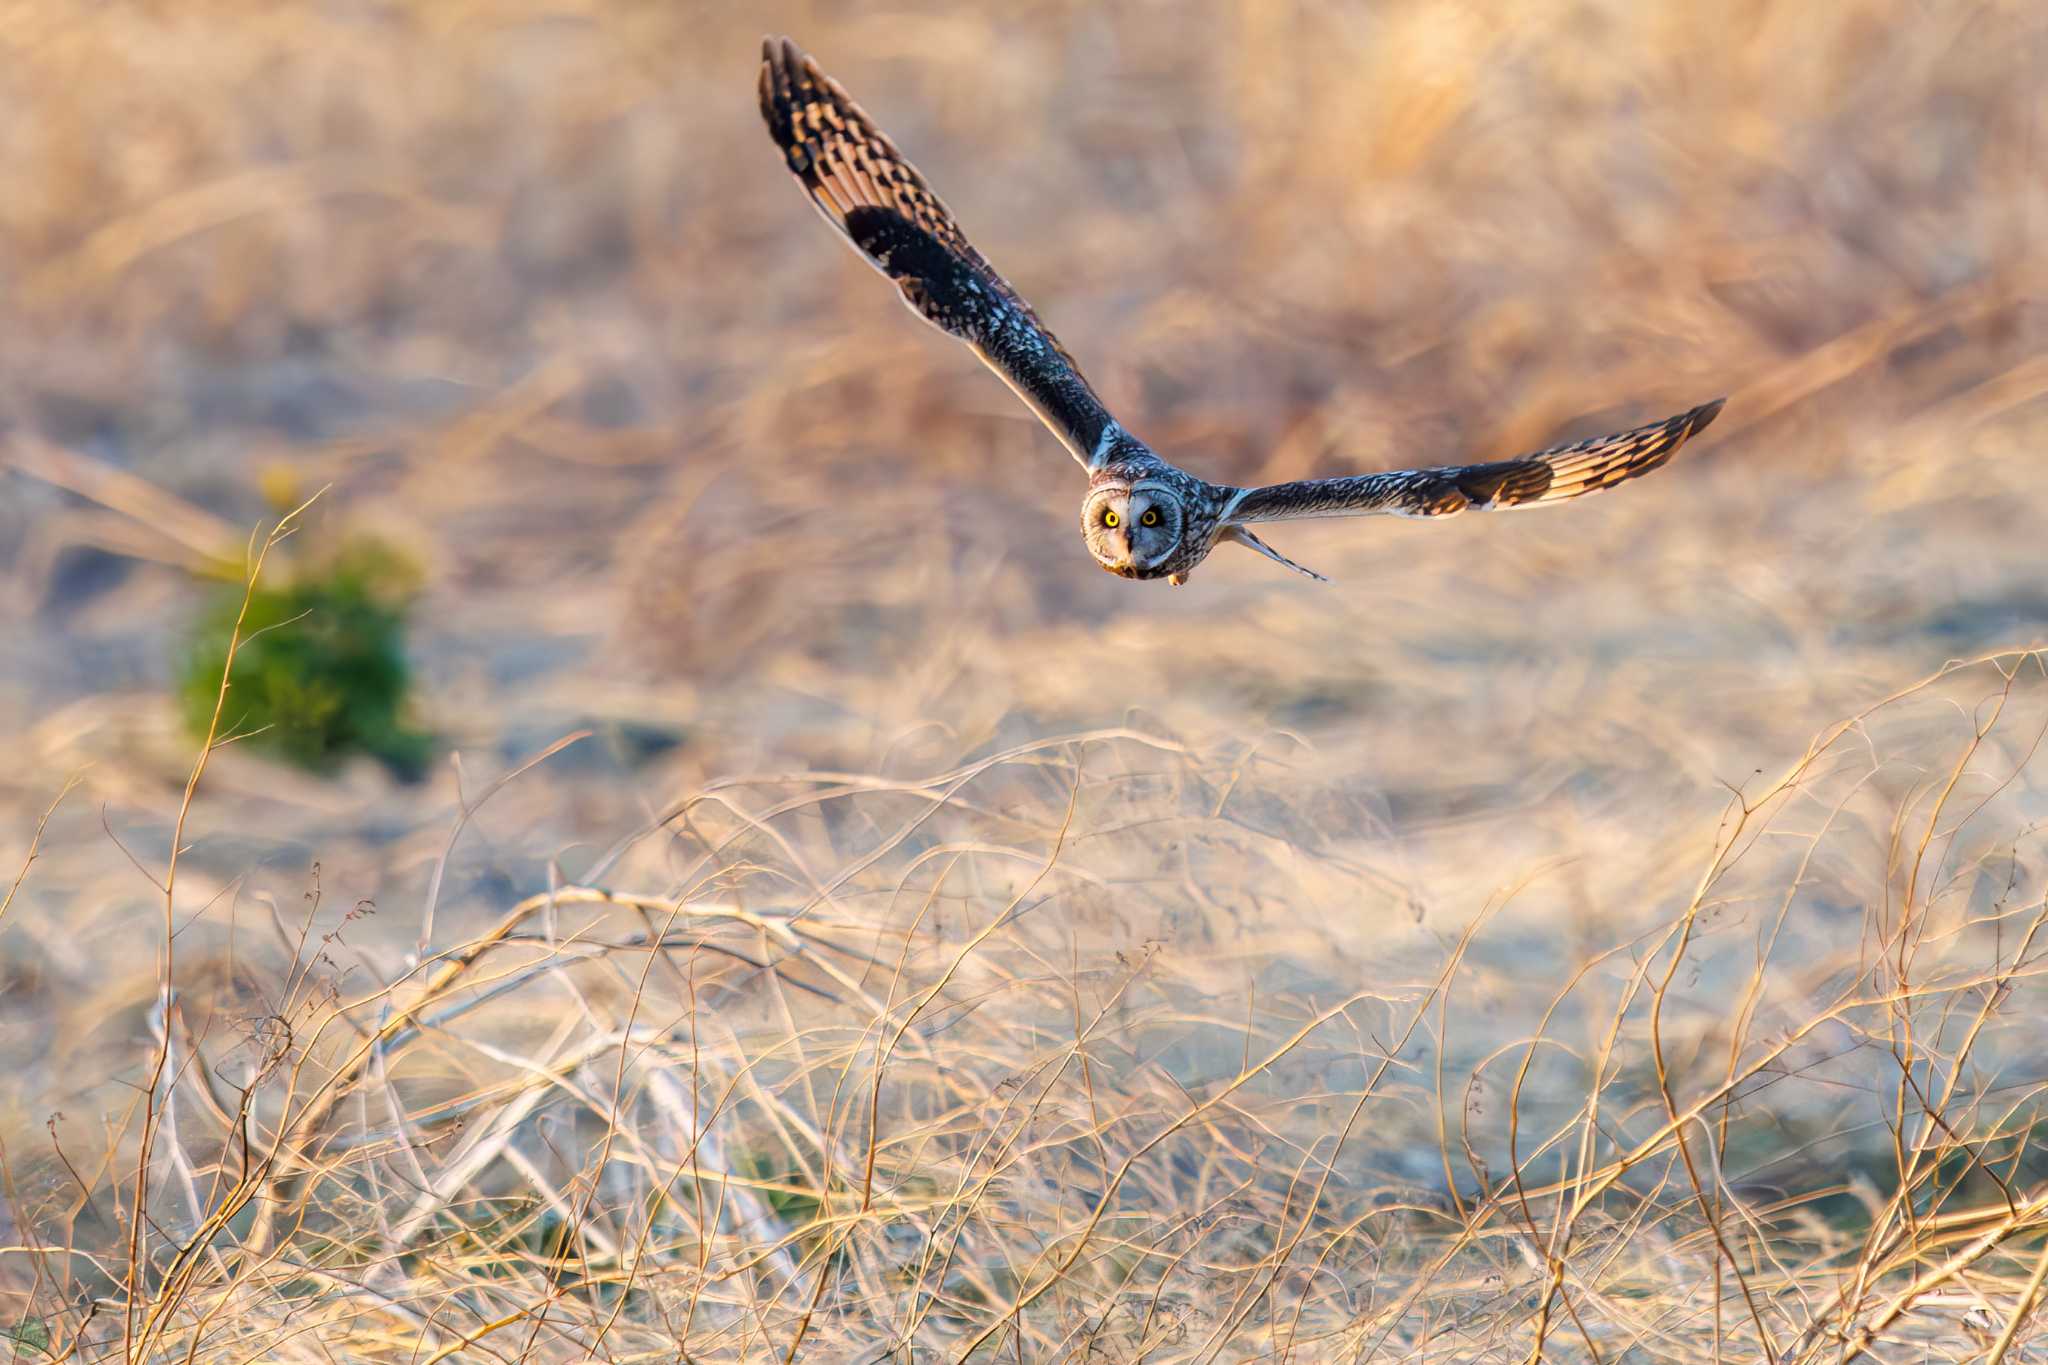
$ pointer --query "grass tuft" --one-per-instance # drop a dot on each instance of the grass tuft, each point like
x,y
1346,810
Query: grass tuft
x,y
323,675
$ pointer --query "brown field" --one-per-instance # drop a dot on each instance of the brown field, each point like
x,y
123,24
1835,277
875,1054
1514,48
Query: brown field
x,y
1607,934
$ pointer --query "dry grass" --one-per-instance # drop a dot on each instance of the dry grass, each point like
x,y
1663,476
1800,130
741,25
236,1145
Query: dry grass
x,y
1429,967
853,1068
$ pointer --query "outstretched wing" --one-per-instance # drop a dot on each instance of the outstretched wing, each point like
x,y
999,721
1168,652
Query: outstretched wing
x,y
865,188
1552,475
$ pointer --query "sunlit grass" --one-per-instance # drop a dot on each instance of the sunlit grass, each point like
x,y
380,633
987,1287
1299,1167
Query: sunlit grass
x,y
867,1091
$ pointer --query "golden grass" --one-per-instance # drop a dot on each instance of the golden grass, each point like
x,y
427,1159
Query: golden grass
x,y
932,947
857,1068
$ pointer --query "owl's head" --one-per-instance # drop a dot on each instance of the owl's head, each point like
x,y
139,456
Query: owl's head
x,y
1133,530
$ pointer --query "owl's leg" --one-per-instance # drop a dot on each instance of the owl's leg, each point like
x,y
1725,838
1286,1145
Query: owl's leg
x,y
1252,542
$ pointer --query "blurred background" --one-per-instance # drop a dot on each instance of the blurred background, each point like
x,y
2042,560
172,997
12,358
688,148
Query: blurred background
x,y
646,451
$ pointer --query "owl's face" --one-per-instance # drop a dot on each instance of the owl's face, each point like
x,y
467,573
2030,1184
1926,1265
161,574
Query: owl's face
x,y
1133,531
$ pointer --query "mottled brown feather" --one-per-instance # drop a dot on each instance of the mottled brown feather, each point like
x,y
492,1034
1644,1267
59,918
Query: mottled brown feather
x,y
1544,476
878,201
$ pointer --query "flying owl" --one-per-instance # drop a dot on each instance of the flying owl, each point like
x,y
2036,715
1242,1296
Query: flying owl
x,y
1142,517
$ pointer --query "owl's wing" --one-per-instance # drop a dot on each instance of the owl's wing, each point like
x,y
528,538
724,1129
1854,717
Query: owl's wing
x,y
1567,471
879,202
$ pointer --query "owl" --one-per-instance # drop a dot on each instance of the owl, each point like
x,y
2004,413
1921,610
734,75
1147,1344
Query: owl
x,y
1142,517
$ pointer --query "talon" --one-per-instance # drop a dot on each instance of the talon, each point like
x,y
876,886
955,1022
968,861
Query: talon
x,y
1179,580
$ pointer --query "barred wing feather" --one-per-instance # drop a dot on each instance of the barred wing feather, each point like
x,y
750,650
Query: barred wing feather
x,y
1545,476
879,202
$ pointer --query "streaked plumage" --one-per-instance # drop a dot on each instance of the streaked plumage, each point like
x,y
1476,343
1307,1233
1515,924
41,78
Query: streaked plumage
x,y
1142,517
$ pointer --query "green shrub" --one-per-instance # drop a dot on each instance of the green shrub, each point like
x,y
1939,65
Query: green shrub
x,y
321,673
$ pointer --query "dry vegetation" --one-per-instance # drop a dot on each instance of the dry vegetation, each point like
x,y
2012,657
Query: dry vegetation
x,y
848,926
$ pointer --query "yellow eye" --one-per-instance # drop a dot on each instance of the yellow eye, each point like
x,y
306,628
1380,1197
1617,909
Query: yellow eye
x,y
1110,519
1151,517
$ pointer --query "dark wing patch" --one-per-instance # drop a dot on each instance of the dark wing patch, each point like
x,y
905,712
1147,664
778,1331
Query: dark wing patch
x,y
866,190
1567,471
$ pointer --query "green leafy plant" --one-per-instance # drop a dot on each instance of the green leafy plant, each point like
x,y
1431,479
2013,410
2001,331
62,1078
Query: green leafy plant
x,y
322,673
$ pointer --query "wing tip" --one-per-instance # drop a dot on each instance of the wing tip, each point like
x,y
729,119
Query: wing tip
x,y
773,87
785,67
790,83
773,48
785,62
1702,416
